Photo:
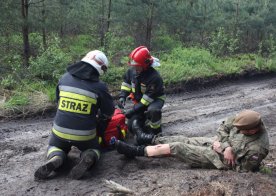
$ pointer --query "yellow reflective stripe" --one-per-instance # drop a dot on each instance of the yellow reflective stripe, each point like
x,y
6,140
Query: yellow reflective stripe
x,y
123,133
77,96
162,97
75,106
53,149
133,90
73,137
98,153
125,88
155,126
100,140
145,102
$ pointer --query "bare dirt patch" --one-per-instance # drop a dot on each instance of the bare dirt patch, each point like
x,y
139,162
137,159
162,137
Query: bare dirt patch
x,y
23,146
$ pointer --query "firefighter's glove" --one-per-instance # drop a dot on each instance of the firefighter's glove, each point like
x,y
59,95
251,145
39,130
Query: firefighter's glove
x,y
122,102
130,113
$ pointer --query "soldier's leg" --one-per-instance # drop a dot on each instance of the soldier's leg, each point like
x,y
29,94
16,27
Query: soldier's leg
x,y
154,116
197,141
195,156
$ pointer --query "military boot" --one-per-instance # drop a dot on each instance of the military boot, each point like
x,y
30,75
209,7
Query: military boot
x,y
88,158
141,137
128,150
45,170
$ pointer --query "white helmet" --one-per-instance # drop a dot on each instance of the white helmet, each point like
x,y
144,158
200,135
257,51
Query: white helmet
x,y
97,59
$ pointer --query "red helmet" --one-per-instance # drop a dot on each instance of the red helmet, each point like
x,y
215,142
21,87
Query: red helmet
x,y
140,57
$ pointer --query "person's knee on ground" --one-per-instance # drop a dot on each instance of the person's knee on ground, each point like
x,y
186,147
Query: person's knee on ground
x,y
88,159
44,171
55,157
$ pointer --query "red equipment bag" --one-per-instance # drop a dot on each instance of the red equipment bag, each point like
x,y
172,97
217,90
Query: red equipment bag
x,y
116,129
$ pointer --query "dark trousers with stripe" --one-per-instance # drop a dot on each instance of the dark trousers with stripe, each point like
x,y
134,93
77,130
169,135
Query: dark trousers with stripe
x,y
151,118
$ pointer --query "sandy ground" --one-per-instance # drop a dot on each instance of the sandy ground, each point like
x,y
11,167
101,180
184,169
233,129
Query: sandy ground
x,y
196,113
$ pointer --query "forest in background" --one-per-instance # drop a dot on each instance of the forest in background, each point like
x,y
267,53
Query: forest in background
x,y
192,38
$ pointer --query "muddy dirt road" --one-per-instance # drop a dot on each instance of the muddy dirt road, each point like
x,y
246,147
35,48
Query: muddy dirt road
x,y
198,113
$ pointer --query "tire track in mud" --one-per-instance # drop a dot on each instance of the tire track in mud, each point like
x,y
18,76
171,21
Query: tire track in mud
x,y
195,113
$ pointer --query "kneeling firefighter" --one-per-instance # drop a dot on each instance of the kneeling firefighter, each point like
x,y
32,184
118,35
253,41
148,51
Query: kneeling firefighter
x,y
144,85
84,109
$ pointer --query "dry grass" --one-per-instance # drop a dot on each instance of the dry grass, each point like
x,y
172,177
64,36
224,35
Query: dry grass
x,y
38,103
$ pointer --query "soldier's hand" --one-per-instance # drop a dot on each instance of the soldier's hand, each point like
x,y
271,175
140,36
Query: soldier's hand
x,y
229,156
217,147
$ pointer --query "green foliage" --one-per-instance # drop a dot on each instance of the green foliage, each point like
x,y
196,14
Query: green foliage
x,y
16,100
223,43
114,75
118,44
8,82
165,43
266,170
187,63
51,63
77,46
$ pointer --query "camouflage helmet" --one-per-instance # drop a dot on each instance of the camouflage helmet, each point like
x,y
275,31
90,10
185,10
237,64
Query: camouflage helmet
x,y
247,119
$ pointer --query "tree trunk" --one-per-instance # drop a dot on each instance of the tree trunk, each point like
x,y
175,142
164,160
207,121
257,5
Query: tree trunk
x,y
25,32
44,26
102,33
149,25
107,25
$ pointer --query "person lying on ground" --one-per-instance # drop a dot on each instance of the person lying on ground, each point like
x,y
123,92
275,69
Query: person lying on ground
x,y
241,143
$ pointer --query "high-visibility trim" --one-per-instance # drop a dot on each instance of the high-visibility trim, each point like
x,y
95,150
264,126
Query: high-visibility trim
x,y
73,137
155,125
75,106
74,131
125,88
163,97
78,91
133,87
146,100
98,153
78,97
123,133
100,140
53,149
126,84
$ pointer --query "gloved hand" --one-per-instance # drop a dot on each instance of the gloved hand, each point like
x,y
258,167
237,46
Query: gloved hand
x,y
130,113
122,101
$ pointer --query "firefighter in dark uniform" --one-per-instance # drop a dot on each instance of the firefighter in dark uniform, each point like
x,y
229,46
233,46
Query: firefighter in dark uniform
x,y
84,109
143,84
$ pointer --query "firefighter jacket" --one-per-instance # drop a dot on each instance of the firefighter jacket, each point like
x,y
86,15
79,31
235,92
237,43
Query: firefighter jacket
x,y
145,87
80,97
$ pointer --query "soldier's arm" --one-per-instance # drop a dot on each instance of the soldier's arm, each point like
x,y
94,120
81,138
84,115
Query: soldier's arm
x,y
223,133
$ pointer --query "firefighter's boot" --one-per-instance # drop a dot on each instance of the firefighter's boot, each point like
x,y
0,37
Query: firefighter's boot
x,y
128,150
88,158
142,138
45,170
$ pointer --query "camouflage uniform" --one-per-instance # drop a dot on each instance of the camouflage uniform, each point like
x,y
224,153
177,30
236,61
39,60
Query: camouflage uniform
x,y
197,151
